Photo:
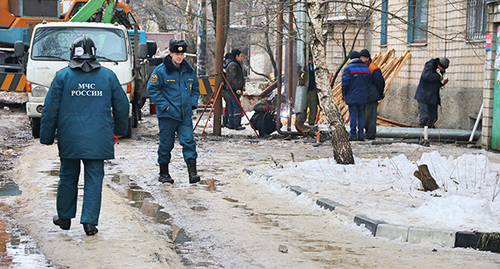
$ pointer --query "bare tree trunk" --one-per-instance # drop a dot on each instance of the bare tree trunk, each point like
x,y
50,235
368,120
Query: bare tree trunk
x,y
428,182
342,151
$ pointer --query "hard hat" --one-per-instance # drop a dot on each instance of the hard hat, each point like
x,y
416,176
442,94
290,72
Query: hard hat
x,y
83,48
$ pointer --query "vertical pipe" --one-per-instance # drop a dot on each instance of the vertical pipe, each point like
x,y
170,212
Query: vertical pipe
x,y
279,58
302,66
290,65
201,63
219,54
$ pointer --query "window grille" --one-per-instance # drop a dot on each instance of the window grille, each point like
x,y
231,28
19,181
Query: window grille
x,y
476,19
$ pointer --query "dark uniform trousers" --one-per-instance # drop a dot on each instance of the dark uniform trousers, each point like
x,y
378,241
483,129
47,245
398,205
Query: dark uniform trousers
x,y
67,189
184,129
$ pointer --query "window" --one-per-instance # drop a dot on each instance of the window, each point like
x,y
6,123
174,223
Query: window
x,y
383,23
54,43
417,21
476,19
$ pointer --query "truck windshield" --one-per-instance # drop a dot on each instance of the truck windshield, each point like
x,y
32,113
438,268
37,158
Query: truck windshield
x,y
51,44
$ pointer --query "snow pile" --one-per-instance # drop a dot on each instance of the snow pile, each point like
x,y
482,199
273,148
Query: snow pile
x,y
468,198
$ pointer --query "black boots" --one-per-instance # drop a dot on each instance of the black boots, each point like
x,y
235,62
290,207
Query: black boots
x,y
62,223
191,165
90,229
164,175
193,176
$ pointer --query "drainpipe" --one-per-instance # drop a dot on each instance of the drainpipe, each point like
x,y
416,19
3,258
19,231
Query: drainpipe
x,y
302,66
418,133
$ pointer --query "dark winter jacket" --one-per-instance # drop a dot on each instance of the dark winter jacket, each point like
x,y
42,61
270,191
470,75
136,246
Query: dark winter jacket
x,y
430,84
174,90
234,75
86,109
376,90
356,79
264,118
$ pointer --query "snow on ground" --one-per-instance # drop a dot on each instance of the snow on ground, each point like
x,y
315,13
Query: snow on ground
x,y
385,189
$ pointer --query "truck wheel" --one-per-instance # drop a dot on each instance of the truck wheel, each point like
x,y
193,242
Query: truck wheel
x,y
136,114
35,127
129,129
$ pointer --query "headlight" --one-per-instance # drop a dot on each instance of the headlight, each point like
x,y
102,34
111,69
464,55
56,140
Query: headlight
x,y
39,91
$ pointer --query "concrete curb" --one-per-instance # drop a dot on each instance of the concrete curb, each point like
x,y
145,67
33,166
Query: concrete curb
x,y
378,228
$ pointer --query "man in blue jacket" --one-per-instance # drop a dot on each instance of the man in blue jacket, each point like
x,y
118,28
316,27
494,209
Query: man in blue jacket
x,y
87,105
427,93
174,89
356,79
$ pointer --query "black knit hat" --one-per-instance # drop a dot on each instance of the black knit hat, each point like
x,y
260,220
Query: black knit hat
x,y
354,55
365,53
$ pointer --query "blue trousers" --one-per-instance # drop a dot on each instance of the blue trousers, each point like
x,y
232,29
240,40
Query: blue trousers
x,y
371,120
67,189
428,114
234,112
184,130
357,121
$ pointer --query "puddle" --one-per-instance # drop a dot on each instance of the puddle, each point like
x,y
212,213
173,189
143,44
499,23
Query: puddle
x,y
230,200
137,196
198,208
181,237
9,188
17,249
140,199
52,173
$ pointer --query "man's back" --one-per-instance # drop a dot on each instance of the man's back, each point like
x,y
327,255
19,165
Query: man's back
x,y
356,79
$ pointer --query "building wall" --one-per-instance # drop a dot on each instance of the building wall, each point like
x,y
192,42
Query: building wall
x,y
461,98
489,79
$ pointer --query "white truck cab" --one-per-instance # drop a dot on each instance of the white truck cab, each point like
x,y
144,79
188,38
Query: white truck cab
x,y
49,52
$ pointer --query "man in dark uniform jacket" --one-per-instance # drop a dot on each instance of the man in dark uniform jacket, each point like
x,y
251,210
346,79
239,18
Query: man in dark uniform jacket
x,y
87,105
174,89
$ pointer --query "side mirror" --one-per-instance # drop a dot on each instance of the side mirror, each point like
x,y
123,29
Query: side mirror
x,y
152,47
142,51
19,49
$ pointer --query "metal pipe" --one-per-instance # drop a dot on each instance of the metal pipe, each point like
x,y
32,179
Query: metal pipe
x,y
302,67
477,120
290,64
201,53
279,58
413,133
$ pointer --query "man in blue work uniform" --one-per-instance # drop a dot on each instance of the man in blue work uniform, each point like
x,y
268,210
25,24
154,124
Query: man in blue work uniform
x,y
356,79
174,89
87,106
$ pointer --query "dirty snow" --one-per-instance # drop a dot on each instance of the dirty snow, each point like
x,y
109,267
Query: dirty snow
x,y
385,188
